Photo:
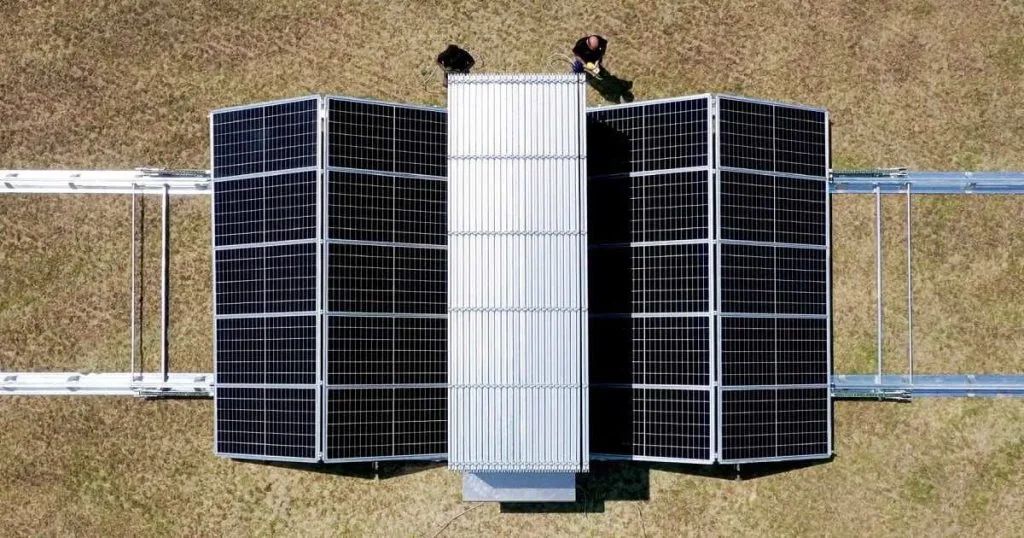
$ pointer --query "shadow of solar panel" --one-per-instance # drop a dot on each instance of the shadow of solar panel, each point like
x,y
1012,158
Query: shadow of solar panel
x,y
610,206
361,135
615,140
610,145
612,350
256,421
265,138
612,420
610,286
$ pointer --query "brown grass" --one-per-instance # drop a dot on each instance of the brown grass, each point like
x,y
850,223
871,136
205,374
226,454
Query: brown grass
x,y
128,83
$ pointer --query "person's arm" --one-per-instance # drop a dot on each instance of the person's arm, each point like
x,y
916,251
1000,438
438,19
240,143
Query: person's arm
x,y
602,45
579,49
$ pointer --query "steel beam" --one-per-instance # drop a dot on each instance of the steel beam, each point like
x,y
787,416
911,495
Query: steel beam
x,y
141,181
853,386
900,180
150,385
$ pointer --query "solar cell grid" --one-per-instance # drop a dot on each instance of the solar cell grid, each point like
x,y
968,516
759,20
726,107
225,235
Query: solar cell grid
x,y
772,138
266,422
775,423
390,198
765,279
361,135
643,295
265,138
769,209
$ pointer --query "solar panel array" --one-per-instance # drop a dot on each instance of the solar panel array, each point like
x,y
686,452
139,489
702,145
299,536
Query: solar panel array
x,y
650,237
265,207
708,264
386,275
773,289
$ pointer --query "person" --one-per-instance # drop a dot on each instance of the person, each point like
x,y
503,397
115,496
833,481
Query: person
x,y
589,50
455,60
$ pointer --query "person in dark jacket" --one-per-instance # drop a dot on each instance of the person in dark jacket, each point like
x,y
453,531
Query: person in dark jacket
x,y
589,50
455,60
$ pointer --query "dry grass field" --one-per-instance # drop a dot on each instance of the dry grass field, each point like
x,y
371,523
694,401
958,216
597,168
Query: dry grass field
x,y
119,83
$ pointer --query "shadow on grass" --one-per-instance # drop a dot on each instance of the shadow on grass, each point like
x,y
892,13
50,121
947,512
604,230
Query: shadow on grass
x,y
631,481
367,471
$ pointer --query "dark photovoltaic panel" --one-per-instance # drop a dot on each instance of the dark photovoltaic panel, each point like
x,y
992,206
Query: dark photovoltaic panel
x,y
648,280
265,277
386,350
262,139
775,423
772,209
386,280
370,207
773,288
277,350
759,279
649,137
387,138
671,278
266,280
772,138
774,351
652,423
386,422
266,422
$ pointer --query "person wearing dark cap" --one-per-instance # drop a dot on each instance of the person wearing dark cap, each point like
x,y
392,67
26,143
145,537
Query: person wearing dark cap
x,y
589,51
455,60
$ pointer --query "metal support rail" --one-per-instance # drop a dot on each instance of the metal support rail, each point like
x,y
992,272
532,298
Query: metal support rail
x,y
902,387
148,385
138,181
899,180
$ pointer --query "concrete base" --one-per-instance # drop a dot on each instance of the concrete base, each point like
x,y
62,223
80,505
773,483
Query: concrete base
x,y
519,487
